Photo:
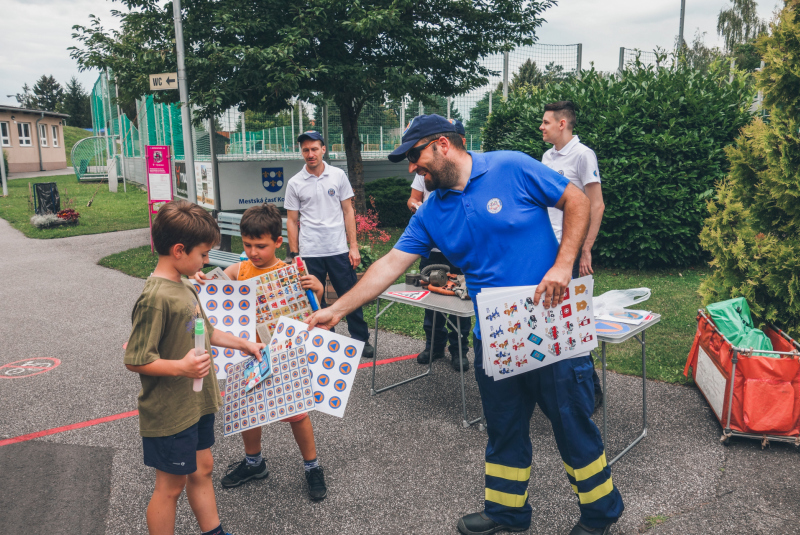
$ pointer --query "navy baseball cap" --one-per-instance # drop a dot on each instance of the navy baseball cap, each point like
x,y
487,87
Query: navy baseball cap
x,y
311,134
459,127
418,128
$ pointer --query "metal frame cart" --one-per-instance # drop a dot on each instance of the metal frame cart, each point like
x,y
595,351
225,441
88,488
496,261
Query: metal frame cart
x,y
447,305
737,354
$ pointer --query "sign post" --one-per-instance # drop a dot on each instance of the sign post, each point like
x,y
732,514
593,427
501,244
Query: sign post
x,y
183,88
159,181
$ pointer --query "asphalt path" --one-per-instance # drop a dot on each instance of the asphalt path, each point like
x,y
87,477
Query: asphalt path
x,y
399,462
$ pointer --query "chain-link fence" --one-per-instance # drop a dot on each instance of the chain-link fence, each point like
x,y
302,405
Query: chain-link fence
x,y
629,56
254,136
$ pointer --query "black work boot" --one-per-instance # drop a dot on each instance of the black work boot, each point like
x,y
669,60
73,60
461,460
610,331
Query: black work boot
x,y
368,352
425,356
455,360
480,524
580,529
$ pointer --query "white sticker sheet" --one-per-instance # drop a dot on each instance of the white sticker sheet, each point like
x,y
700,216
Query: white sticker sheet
x,y
332,358
287,392
230,307
518,336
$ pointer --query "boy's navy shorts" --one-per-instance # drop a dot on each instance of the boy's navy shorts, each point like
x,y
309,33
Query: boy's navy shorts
x,y
177,454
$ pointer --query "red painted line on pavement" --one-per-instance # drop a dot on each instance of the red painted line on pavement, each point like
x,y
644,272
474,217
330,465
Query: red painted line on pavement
x,y
120,416
385,361
70,427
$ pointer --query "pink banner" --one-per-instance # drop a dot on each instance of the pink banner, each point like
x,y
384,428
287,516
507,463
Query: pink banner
x,y
159,177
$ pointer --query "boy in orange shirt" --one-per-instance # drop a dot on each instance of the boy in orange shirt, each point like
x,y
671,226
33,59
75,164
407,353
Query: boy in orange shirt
x,y
261,236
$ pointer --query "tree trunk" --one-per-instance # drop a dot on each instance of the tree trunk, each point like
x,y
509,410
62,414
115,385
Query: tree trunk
x,y
352,148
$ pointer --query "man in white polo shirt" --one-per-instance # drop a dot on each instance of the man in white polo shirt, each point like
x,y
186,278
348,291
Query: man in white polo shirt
x,y
578,163
318,198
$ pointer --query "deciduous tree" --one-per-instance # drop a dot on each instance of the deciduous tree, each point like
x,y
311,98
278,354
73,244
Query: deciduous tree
x,y
257,54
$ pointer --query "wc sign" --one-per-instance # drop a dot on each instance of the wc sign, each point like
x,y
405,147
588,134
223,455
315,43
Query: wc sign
x,y
272,178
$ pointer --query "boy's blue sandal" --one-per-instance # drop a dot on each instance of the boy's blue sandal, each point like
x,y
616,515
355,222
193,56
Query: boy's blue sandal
x,y
317,490
241,472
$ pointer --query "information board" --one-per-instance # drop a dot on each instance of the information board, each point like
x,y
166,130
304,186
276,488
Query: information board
x,y
159,177
245,184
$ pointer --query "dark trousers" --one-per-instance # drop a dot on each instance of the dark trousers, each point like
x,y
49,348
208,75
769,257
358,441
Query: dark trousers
x,y
343,277
576,272
565,395
444,332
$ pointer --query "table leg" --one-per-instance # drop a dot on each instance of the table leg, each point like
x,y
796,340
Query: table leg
x,y
644,402
375,391
465,422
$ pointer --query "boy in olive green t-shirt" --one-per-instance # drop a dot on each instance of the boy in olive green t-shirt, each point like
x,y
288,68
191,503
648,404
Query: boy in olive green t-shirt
x,y
177,423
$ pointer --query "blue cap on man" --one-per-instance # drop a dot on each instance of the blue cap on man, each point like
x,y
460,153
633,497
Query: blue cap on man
x,y
420,127
311,134
459,127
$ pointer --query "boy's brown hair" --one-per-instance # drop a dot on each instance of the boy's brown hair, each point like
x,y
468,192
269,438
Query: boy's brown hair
x,y
183,222
259,220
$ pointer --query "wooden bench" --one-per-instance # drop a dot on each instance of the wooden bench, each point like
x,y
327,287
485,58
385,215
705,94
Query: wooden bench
x,y
229,226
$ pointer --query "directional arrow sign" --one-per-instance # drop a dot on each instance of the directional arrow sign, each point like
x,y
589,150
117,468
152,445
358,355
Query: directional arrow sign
x,y
160,82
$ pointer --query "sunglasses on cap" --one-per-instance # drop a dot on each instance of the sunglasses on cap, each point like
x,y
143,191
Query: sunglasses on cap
x,y
414,153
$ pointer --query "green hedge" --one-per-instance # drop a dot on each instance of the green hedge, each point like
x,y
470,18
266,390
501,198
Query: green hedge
x,y
659,136
391,195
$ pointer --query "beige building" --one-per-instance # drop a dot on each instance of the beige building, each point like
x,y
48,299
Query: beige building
x,y
33,140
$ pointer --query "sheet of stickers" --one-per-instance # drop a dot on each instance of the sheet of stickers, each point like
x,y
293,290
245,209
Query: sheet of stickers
x,y
279,294
519,336
311,371
230,306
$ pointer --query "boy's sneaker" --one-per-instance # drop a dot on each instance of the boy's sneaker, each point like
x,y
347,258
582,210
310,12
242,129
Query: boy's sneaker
x,y
316,484
241,472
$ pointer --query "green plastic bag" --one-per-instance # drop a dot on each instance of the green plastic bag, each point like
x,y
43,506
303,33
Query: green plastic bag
x,y
733,319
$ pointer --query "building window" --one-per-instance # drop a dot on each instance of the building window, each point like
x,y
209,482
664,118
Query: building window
x,y
55,136
5,135
43,134
24,131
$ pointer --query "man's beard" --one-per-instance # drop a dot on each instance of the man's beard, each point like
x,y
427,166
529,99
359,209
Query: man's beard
x,y
444,176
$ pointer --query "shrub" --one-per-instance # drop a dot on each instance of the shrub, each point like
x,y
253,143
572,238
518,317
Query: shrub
x,y
753,232
390,196
659,136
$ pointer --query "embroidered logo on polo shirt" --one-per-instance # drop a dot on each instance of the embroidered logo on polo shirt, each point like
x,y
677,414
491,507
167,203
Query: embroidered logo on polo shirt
x,y
494,205
331,192
595,172
561,173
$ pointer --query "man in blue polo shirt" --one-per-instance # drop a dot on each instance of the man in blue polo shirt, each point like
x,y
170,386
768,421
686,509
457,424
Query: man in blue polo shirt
x,y
489,217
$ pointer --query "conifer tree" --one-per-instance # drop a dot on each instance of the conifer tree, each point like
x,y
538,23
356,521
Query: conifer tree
x,y
753,233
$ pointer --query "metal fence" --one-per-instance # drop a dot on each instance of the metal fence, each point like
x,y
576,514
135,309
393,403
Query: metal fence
x,y
254,136
239,136
629,56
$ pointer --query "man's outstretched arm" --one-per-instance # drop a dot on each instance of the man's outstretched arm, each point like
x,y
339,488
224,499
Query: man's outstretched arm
x,y
378,277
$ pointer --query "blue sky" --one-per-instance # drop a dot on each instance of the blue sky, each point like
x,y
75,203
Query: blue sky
x,y
36,33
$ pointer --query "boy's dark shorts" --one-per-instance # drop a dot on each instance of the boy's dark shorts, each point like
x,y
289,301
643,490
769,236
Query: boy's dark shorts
x,y
177,454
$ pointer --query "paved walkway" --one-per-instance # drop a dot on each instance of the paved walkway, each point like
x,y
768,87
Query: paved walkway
x,y
397,463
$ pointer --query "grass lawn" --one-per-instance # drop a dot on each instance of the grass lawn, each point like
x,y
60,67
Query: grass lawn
x,y
73,134
674,296
109,211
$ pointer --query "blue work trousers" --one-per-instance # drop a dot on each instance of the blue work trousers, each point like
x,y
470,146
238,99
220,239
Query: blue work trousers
x,y
565,393
343,278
